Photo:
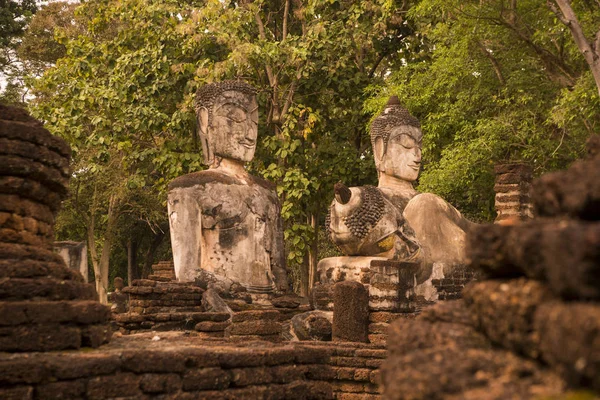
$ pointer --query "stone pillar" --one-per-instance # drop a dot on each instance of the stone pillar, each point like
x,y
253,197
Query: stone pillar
x,y
384,287
163,271
391,285
350,312
513,186
75,256
44,305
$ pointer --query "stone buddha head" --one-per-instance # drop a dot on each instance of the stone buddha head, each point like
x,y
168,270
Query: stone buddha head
x,y
396,139
227,114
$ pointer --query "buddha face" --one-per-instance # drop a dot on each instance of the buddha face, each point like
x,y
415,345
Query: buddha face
x,y
402,155
233,126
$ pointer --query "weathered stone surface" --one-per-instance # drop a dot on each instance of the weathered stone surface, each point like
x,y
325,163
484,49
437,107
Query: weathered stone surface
x,y
39,337
574,192
564,253
118,385
74,255
51,177
39,312
570,340
212,302
439,372
15,289
208,326
407,336
504,311
24,207
208,378
313,325
74,365
513,185
351,312
17,393
321,297
287,301
224,220
26,128
160,383
210,316
254,328
62,390
16,268
255,315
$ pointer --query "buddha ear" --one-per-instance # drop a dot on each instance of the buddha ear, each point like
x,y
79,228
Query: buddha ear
x,y
202,116
378,150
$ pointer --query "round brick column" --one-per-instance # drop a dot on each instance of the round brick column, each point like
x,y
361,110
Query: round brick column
x,y
44,305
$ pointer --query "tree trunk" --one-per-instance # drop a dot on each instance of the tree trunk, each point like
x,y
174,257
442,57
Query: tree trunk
x,y
109,237
313,255
132,246
151,253
304,275
589,49
94,255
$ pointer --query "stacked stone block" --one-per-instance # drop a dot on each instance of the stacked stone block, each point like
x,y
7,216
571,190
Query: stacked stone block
x,y
353,369
44,305
531,328
450,287
160,305
190,371
212,325
513,185
255,325
163,271
321,297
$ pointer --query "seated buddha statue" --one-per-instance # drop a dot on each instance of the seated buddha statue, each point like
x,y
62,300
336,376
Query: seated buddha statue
x,y
393,220
224,220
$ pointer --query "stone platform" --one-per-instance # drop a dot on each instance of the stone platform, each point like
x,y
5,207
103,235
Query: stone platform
x,y
178,365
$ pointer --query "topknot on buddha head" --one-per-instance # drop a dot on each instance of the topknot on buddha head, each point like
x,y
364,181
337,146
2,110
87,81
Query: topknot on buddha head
x,y
207,95
394,115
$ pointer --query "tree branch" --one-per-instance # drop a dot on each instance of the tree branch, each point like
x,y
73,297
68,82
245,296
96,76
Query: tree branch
x,y
263,36
286,12
494,62
377,62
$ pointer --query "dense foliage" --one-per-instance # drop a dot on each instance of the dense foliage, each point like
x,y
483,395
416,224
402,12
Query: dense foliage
x,y
491,81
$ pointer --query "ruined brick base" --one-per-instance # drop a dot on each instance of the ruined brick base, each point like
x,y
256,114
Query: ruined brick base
x,y
183,366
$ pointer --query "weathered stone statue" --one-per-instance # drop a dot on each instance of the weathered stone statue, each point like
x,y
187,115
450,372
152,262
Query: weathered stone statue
x,y
118,299
393,221
224,220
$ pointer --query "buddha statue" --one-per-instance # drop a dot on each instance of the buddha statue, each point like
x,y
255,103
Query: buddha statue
x,y
224,220
393,221
117,298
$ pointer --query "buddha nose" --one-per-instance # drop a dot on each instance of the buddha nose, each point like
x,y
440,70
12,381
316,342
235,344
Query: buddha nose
x,y
418,154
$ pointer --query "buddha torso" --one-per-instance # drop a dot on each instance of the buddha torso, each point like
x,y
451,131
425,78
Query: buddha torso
x,y
232,227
